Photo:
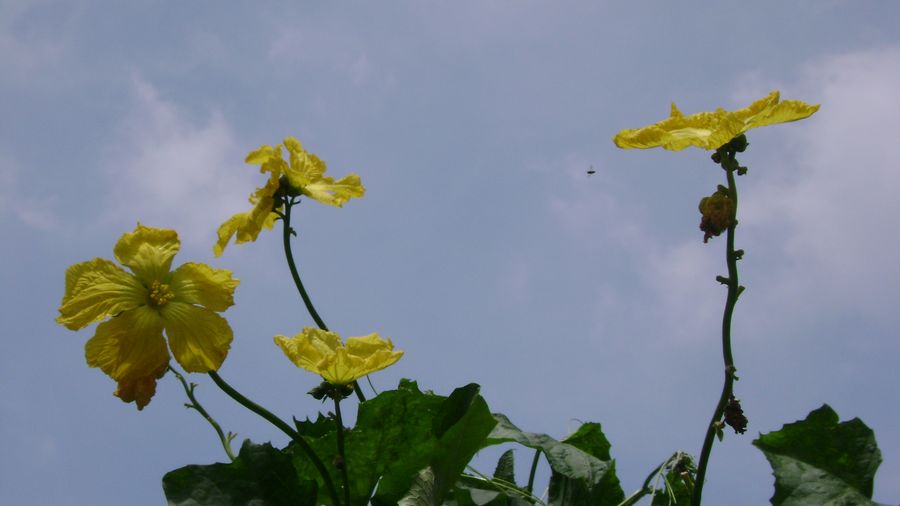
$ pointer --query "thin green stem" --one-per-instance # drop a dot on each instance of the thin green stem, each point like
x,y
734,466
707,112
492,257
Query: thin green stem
x,y
195,405
340,448
284,427
646,488
295,274
504,486
288,254
534,465
729,163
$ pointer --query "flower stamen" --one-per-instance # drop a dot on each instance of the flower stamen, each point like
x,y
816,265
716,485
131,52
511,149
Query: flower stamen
x,y
160,294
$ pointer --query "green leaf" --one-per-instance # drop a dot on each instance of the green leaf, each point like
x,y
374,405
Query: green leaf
x,y
476,491
461,440
820,462
582,471
260,475
506,467
422,491
398,434
392,441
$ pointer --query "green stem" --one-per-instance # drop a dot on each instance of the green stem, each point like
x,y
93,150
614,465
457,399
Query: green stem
x,y
194,404
295,274
534,465
340,448
646,488
293,267
284,427
728,163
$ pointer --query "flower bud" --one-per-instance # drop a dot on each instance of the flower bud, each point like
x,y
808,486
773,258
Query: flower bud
x,y
717,214
734,416
739,143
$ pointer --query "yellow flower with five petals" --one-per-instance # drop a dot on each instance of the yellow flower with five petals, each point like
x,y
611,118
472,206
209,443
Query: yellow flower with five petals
x,y
139,306
304,174
710,130
323,353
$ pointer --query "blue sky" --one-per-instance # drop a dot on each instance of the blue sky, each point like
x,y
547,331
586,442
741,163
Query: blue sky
x,y
482,247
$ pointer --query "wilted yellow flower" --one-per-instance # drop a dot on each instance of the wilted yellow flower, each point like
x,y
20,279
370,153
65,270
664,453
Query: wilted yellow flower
x,y
322,352
303,174
138,306
710,130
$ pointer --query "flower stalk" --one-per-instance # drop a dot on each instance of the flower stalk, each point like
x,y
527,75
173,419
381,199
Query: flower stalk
x,y
342,456
284,427
725,156
295,274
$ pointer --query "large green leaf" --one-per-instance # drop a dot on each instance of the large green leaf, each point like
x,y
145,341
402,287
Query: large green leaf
x,y
445,438
392,441
260,475
582,470
820,462
398,434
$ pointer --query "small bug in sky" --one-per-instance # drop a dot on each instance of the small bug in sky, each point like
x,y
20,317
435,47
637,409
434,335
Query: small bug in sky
x,y
591,171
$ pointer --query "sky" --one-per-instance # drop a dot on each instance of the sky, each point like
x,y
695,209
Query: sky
x,y
482,247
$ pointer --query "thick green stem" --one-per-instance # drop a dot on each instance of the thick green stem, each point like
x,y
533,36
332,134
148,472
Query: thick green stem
x,y
284,427
728,163
194,404
340,448
295,274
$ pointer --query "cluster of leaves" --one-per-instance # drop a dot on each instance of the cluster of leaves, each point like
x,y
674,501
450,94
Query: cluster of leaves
x,y
408,447
412,448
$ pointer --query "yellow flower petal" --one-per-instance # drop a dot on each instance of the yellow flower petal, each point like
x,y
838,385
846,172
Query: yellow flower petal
x,y
139,390
200,284
305,167
96,290
710,130
199,338
148,252
261,155
335,193
130,346
247,226
322,353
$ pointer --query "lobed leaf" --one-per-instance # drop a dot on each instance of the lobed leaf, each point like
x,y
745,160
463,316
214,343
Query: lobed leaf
x,y
820,462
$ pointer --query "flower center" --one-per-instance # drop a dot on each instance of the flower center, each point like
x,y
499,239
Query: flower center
x,y
160,294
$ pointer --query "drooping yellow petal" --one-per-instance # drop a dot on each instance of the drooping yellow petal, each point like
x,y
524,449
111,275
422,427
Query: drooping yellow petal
x,y
710,130
130,346
247,226
198,337
322,353
139,390
200,284
335,193
96,290
148,252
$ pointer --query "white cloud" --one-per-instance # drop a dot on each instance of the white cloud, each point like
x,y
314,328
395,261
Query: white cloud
x,y
836,204
168,171
32,210
22,57
819,211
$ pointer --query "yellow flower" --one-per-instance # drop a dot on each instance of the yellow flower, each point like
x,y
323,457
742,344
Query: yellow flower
x,y
322,352
710,130
305,174
138,306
